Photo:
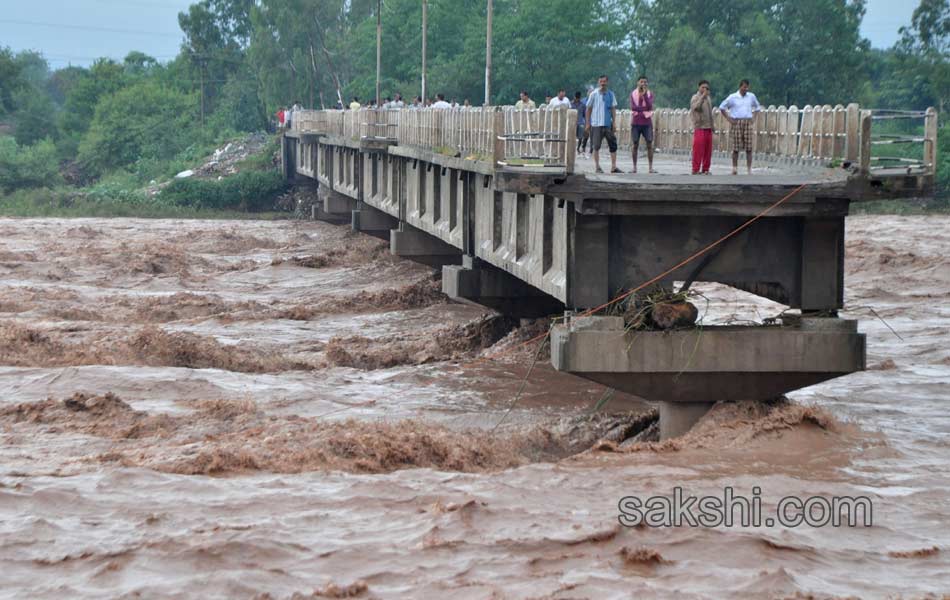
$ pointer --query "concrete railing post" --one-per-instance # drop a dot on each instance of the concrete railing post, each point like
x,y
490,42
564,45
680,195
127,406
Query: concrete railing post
x,y
498,152
930,141
853,137
865,141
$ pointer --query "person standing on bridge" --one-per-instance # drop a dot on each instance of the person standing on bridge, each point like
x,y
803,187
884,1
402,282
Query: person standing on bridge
x,y
440,102
355,104
641,105
700,111
580,105
560,101
525,103
600,120
740,109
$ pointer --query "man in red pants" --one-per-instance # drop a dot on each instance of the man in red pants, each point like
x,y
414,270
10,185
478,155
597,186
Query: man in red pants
x,y
700,108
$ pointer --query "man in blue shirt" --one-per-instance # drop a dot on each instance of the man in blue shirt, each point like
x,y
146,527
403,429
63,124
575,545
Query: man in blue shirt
x,y
580,105
740,109
601,119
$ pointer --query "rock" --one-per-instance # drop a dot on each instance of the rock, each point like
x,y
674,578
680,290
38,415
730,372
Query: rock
x,y
184,174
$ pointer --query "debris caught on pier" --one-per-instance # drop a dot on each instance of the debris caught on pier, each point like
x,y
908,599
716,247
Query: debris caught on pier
x,y
659,309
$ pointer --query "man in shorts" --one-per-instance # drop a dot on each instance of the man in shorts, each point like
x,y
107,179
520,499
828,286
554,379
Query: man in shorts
x,y
641,105
740,109
601,120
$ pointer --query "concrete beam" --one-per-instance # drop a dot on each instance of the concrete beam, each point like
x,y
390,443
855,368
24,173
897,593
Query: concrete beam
x,y
708,364
478,282
415,244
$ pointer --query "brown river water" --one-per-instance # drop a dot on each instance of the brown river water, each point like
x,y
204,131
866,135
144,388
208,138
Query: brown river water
x,y
213,409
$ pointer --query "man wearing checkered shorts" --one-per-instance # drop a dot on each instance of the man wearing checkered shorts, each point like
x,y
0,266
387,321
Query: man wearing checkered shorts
x,y
740,109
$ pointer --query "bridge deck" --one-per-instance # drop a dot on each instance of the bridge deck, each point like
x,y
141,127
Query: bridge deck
x,y
675,169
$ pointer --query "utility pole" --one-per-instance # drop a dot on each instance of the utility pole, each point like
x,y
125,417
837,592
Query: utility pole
x,y
425,22
379,42
201,70
488,56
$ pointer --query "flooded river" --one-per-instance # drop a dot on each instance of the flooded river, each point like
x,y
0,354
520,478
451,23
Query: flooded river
x,y
211,409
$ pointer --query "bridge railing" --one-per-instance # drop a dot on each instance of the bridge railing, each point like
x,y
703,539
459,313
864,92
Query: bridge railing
x,y
504,136
498,135
819,133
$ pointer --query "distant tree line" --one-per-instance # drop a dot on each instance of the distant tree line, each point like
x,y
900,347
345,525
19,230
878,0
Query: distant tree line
x,y
242,59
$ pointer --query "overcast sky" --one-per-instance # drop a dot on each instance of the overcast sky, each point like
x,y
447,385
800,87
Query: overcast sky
x,y
78,31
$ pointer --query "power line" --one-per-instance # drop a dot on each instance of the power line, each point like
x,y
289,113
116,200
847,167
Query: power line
x,y
91,28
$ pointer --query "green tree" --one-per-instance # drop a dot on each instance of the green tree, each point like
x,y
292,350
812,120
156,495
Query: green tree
x,y
927,43
793,51
144,120
105,77
10,80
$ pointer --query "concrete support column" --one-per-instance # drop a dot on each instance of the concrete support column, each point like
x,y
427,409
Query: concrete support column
x,y
372,221
481,283
414,244
676,418
331,207
337,204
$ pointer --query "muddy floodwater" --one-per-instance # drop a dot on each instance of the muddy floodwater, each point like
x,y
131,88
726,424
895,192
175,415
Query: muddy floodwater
x,y
213,409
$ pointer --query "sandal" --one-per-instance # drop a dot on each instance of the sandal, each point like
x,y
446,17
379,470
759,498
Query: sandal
x,y
616,170
599,170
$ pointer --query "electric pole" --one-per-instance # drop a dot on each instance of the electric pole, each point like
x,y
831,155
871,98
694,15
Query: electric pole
x,y
425,22
488,56
379,42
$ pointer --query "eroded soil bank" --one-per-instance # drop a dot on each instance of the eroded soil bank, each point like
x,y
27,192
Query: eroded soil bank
x,y
276,410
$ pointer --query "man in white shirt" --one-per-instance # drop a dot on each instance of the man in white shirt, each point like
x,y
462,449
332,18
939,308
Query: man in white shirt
x,y
740,109
560,101
440,102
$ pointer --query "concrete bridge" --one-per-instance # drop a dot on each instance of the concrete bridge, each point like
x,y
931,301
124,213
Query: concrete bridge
x,y
518,222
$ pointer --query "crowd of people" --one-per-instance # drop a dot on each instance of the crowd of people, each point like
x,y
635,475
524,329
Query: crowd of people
x,y
597,118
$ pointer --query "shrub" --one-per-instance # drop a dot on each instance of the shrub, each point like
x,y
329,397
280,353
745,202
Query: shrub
x,y
23,167
248,191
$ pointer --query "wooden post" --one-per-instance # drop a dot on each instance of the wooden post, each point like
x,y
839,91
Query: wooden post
x,y
488,55
853,137
866,141
425,23
930,141
498,137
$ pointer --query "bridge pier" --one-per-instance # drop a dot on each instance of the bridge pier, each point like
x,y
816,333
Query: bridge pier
x,y
477,281
336,204
414,244
688,371
677,418
372,221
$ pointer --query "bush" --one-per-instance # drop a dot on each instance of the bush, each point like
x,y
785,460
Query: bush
x,y
248,191
23,167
